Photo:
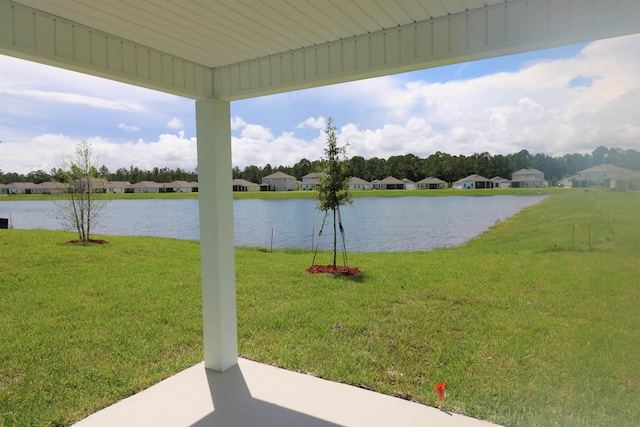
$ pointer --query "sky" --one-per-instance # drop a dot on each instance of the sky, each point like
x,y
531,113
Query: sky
x,y
564,100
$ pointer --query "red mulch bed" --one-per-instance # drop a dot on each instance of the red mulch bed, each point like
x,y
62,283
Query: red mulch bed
x,y
96,241
329,269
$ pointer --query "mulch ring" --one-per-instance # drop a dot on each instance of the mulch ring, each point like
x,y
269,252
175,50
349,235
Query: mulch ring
x,y
96,241
330,269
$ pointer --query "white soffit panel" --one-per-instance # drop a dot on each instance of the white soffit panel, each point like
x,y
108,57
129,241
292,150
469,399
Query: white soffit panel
x,y
235,49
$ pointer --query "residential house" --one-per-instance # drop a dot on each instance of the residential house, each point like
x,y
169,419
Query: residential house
x,y
375,184
97,184
528,178
356,183
626,181
178,187
147,187
309,181
408,184
431,183
499,182
473,181
4,189
117,187
242,185
602,175
391,183
20,187
278,181
49,188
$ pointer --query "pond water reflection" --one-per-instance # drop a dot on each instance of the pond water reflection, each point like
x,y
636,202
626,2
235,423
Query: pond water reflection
x,y
371,224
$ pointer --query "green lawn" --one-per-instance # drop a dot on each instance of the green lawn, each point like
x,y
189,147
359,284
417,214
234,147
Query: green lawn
x,y
526,326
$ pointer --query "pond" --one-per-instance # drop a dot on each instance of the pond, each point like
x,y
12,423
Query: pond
x,y
371,224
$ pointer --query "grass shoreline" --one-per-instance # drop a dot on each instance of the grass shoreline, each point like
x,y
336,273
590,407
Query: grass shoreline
x,y
525,324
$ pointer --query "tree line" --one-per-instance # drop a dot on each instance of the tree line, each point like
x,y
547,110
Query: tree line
x,y
441,165
132,175
450,168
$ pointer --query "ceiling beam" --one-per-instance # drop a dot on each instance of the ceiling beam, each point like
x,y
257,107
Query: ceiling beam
x,y
37,36
495,30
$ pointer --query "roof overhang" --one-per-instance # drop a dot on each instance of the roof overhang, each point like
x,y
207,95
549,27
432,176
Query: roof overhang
x,y
233,50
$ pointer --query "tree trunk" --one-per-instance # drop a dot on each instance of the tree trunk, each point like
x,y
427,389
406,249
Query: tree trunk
x,y
335,240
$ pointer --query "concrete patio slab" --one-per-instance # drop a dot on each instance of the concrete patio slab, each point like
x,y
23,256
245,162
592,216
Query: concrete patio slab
x,y
254,394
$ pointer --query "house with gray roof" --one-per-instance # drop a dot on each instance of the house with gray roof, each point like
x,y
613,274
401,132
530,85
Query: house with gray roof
x,y
528,178
408,184
20,187
500,182
309,181
147,187
391,183
356,183
602,175
49,187
278,181
473,181
431,183
117,187
4,189
242,185
178,187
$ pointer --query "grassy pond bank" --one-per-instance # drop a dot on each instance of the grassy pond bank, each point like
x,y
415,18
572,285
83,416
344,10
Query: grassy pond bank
x,y
533,323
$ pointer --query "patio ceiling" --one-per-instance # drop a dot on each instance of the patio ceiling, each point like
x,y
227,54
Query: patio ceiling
x,y
233,49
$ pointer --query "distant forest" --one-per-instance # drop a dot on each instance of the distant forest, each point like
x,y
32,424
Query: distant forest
x,y
439,165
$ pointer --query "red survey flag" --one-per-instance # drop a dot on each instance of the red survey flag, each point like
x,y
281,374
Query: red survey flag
x,y
439,388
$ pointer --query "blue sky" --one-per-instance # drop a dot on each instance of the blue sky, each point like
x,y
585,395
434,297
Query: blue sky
x,y
565,100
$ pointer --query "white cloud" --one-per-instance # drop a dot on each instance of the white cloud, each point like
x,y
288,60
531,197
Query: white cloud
x,y
75,98
237,123
169,150
175,123
128,128
283,150
252,131
313,123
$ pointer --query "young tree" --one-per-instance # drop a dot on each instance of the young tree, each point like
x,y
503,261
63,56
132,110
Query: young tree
x,y
82,208
332,189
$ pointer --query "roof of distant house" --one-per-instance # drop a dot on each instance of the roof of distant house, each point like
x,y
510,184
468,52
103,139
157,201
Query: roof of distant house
x,y
147,184
313,175
356,180
279,175
118,184
178,184
528,172
391,180
244,182
606,167
51,185
499,179
431,180
472,178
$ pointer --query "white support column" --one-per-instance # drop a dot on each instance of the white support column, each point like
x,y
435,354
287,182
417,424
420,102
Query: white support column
x,y
213,124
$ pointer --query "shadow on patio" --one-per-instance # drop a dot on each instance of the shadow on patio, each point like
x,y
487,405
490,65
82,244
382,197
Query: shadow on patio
x,y
253,394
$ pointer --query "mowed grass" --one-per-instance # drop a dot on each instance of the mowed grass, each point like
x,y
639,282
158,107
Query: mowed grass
x,y
526,327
